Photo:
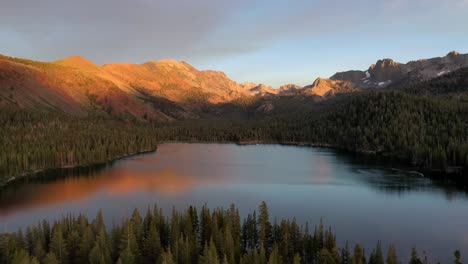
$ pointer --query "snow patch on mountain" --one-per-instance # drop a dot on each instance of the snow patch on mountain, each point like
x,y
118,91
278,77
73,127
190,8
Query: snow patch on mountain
x,y
442,73
367,75
382,84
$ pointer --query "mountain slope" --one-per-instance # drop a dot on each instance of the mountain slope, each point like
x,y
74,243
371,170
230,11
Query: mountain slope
x,y
30,84
454,84
162,90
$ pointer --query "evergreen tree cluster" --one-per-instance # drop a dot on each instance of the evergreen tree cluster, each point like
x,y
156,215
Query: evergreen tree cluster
x,y
208,236
35,140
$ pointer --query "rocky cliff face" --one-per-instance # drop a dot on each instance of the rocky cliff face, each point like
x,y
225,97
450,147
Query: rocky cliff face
x,y
386,72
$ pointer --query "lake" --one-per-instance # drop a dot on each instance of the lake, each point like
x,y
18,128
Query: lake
x,y
363,201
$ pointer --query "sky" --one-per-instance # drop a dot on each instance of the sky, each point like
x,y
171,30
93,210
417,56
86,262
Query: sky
x,y
271,42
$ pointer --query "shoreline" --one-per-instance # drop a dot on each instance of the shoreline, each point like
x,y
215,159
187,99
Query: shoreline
x,y
450,174
281,143
24,175
424,172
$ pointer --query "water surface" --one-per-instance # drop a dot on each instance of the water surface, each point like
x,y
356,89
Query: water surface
x,y
363,202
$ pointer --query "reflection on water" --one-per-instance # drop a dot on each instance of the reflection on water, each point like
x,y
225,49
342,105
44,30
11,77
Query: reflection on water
x,y
350,192
117,182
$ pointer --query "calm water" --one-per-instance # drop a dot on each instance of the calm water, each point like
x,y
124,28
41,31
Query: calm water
x,y
362,202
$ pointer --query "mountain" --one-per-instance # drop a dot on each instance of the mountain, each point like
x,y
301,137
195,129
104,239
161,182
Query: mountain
x,y
177,81
388,73
259,89
78,62
326,88
289,89
155,90
174,90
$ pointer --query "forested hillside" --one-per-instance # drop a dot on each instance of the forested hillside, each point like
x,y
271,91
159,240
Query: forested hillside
x,y
36,140
210,237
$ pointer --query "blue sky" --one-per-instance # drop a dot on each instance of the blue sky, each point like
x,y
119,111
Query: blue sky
x,y
271,42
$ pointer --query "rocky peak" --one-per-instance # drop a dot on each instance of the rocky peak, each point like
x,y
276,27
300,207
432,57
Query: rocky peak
x,y
78,62
289,88
383,64
326,88
453,54
259,89
317,82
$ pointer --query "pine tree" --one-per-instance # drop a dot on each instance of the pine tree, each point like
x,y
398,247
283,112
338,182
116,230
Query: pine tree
x,y
392,257
297,259
114,244
236,231
39,251
205,225
100,253
51,258
73,243
377,255
21,257
128,241
285,245
136,226
98,223
167,257
58,245
230,248
325,257
345,254
265,234
275,257
86,244
127,257
358,256
210,255
184,250
414,257
262,257
152,245
457,257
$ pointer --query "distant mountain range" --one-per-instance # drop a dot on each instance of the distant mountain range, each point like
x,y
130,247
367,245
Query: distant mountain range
x,y
169,89
387,73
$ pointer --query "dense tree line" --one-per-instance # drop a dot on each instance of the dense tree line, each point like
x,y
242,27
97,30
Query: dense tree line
x,y
210,236
35,140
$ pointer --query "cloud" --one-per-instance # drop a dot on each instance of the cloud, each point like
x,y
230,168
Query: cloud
x,y
110,29
141,30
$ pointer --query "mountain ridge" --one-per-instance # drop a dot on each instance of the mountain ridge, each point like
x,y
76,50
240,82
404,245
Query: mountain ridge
x,y
169,89
389,73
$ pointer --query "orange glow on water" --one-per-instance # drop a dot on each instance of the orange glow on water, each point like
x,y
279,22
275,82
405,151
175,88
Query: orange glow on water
x,y
115,182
